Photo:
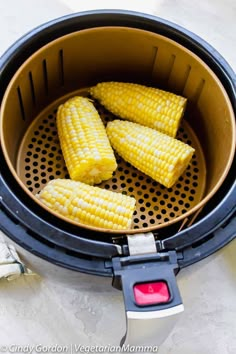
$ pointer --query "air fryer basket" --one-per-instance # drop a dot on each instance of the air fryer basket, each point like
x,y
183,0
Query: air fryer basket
x,y
69,65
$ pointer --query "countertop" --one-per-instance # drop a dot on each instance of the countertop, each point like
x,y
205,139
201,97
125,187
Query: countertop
x,y
36,310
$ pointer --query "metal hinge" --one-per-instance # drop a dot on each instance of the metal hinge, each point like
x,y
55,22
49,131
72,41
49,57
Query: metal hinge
x,y
143,243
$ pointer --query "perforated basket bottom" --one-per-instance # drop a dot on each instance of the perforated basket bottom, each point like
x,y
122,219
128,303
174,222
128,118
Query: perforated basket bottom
x,y
40,160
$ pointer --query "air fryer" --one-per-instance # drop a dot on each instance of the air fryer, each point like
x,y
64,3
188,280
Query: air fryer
x,y
172,227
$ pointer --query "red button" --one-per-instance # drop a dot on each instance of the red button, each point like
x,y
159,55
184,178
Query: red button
x,y
151,293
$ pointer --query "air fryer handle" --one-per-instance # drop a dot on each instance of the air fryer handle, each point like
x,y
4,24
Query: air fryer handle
x,y
152,301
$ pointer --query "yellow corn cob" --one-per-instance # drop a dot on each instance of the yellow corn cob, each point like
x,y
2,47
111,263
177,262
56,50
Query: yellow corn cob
x,y
156,154
88,205
148,106
86,149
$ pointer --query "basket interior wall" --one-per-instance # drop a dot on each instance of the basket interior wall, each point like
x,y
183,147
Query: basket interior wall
x,y
81,59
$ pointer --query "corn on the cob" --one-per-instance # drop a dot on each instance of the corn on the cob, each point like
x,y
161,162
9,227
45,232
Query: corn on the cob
x,y
156,154
148,106
88,205
86,149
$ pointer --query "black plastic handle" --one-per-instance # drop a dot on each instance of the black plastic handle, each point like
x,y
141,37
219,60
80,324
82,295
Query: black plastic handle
x,y
148,324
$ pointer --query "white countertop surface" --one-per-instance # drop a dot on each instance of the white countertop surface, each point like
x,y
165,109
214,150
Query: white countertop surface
x,y
36,310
